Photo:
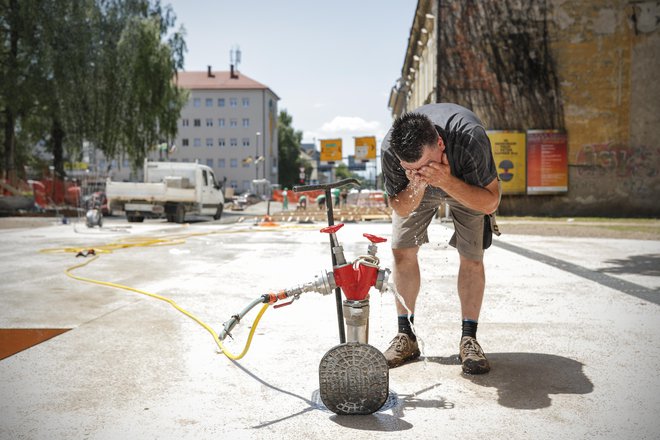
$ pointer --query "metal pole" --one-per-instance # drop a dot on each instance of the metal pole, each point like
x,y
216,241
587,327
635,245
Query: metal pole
x,y
256,154
340,308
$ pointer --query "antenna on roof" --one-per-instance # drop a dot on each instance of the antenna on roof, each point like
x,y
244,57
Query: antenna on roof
x,y
235,59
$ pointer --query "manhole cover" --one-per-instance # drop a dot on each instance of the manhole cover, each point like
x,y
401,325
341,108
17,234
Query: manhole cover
x,y
353,379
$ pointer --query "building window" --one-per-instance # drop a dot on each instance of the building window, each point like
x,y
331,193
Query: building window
x,y
246,142
221,102
233,163
246,122
209,102
185,160
246,102
209,163
221,163
221,142
185,142
197,122
197,142
209,142
197,102
221,122
125,163
246,185
233,184
233,102
209,122
246,164
233,123
185,122
233,142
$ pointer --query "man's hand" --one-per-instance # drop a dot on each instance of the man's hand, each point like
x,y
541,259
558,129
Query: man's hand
x,y
437,174
417,182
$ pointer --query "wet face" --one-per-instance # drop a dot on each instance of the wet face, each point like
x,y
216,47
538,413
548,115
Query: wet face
x,y
431,153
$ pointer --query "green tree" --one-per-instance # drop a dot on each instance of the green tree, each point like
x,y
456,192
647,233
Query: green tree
x,y
152,102
289,141
20,75
90,70
342,172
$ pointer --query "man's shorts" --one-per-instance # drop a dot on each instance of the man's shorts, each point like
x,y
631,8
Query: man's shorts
x,y
472,229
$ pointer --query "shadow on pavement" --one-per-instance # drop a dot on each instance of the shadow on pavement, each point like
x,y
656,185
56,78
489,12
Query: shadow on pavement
x,y
398,403
379,421
648,265
526,380
373,422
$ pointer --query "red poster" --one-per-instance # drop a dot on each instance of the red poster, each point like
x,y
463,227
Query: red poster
x,y
547,162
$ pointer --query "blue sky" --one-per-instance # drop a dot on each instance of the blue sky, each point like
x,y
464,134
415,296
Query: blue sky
x,y
332,63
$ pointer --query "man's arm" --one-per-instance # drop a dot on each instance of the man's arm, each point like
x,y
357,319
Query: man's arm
x,y
484,199
406,201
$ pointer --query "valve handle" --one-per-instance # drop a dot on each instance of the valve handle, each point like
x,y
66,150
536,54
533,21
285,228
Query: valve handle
x,y
374,238
332,229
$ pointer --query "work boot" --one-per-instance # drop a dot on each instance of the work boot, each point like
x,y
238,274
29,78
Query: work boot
x,y
402,349
472,356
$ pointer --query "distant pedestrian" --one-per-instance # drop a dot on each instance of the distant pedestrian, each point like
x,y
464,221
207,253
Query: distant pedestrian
x,y
285,200
302,203
335,197
440,153
320,201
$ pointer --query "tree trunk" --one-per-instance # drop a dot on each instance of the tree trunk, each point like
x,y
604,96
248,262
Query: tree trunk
x,y
10,121
10,147
57,139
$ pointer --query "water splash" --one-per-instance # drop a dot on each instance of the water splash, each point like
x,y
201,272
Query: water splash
x,y
391,287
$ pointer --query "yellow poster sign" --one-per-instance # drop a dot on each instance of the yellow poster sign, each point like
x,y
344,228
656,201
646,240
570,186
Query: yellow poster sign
x,y
330,150
75,166
365,148
509,152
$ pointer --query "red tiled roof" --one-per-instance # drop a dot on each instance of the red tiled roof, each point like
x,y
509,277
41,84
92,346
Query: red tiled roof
x,y
221,80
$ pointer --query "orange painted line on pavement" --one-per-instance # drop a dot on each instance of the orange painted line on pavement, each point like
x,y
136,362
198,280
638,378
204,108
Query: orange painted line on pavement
x,y
14,340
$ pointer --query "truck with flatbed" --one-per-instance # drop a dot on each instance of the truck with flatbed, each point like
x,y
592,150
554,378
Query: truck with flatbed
x,y
169,189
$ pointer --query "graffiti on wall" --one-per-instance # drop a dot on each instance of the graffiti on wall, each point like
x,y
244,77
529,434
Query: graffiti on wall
x,y
616,159
631,167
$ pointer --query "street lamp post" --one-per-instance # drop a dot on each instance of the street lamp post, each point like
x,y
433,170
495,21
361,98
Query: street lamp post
x,y
263,146
256,156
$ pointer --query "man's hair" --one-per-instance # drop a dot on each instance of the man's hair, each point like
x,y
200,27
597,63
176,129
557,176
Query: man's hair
x,y
411,132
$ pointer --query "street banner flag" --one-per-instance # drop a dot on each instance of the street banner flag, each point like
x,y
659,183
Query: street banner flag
x,y
365,148
330,150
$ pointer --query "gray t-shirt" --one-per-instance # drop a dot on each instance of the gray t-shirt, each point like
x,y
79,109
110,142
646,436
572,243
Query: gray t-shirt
x,y
467,147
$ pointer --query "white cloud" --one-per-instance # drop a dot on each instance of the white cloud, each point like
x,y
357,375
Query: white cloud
x,y
349,124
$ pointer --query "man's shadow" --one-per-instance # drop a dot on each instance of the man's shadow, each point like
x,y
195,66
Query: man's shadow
x,y
526,380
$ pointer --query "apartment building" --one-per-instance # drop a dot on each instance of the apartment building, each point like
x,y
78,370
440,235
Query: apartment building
x,y
229,124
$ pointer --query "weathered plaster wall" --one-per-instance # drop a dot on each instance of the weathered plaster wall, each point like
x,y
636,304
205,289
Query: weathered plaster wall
x,y
608,61
590,67
605,55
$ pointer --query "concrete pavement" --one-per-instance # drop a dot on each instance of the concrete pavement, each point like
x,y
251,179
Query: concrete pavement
x,y
570,326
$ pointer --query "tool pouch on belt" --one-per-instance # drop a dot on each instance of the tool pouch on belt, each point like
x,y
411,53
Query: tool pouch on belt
x,y
490,228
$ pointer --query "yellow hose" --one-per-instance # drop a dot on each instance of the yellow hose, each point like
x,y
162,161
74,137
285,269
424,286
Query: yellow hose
x,y
175,305
164,241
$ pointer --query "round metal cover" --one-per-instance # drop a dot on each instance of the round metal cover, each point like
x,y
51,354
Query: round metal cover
x,y
353,379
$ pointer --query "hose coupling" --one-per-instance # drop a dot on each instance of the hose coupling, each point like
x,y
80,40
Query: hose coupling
x,y
381,279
